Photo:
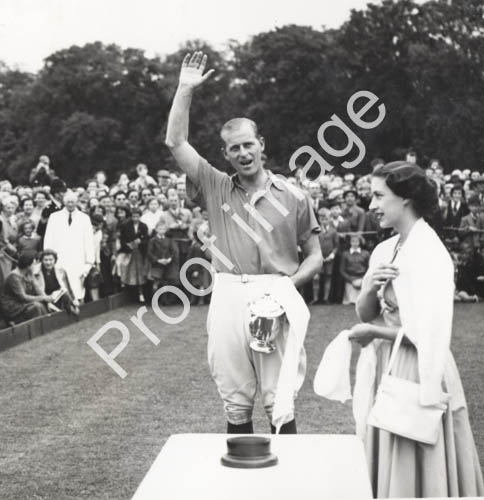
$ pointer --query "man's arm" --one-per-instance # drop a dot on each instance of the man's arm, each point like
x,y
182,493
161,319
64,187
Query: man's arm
x,y
312,263
191,77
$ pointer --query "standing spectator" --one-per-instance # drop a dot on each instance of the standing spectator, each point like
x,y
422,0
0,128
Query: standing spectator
x,y
181,190
27,205
120,199
197,274
477,184
152,214
100,178
454,211
28,240
21,298
122,184
69,233
40,202
121,259
143,180
164,180
93,279
133,198
352,212
54,282
329,241
134,240
314,190
163,261
472,225
8,238
353,266
178,221
42,174
411,157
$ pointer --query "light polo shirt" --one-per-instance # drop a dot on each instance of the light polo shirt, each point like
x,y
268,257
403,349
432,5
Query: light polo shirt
x,y
279,226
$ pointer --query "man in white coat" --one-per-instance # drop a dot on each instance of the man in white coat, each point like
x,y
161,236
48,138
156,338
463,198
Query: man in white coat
x,y
69,232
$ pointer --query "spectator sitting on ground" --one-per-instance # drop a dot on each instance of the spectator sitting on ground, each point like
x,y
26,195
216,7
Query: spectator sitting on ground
x,y
22,298
53,281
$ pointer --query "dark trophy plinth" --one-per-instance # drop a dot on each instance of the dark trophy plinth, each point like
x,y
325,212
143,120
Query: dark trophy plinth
x,y
249,452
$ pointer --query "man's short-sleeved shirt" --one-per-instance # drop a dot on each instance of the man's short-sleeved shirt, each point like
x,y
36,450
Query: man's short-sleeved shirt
x,y
277,219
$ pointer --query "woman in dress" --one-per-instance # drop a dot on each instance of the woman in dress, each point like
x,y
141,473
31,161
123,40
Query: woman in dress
x,y
409,285
134,241
22,298
8,237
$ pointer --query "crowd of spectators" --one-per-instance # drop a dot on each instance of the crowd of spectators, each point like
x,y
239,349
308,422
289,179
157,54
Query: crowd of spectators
x,y
60,245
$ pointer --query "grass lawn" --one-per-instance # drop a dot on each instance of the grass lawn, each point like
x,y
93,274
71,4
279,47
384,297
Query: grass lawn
x,y
73,429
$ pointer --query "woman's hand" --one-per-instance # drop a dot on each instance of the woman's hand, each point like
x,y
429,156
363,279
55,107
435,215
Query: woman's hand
x,y
381,274
362,333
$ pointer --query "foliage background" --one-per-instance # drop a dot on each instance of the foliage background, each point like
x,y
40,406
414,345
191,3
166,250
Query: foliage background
x,y
104,107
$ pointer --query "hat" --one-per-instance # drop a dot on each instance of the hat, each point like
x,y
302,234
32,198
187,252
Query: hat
x,y
163,173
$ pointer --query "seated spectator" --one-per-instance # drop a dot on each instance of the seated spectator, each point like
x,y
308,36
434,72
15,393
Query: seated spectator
x,y
28,240
53,281
22,299
163,259
353,266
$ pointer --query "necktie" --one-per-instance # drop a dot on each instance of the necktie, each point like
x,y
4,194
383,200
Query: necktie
x,y
69,220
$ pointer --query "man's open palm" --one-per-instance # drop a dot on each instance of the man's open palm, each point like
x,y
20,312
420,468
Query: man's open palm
x,y
191,74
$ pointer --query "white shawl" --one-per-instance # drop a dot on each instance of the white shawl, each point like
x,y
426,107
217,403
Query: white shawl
x,y
424,290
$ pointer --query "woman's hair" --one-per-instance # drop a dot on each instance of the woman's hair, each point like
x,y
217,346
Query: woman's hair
x,y
125,208
48,251
409,181
25,260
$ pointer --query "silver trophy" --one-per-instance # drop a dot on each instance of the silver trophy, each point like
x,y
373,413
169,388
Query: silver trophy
x,y
266,321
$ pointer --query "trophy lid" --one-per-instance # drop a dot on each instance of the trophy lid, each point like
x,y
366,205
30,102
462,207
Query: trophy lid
x,y
266,307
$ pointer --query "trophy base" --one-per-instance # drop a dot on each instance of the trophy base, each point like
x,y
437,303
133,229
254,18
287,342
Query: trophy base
x,y
249,452
263,348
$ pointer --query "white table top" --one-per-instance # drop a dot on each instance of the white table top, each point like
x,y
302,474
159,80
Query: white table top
x,y
311,467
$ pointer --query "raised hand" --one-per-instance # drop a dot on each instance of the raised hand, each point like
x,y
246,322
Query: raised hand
x,y
191,74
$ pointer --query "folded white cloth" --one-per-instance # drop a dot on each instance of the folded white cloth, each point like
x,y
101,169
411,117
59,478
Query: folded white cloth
x,y
332,380
293,366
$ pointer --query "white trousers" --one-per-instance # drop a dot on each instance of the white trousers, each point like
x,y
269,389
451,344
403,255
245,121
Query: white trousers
x,y
237,370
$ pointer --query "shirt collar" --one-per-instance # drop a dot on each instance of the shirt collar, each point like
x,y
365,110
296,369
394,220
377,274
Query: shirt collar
x,y
355,250
272,180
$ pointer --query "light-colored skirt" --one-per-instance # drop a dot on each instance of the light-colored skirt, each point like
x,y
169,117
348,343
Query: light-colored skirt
x,y
134,272
400,467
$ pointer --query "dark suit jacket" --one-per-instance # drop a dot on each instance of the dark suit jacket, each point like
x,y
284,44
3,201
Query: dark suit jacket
x,y
452,219
127,235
